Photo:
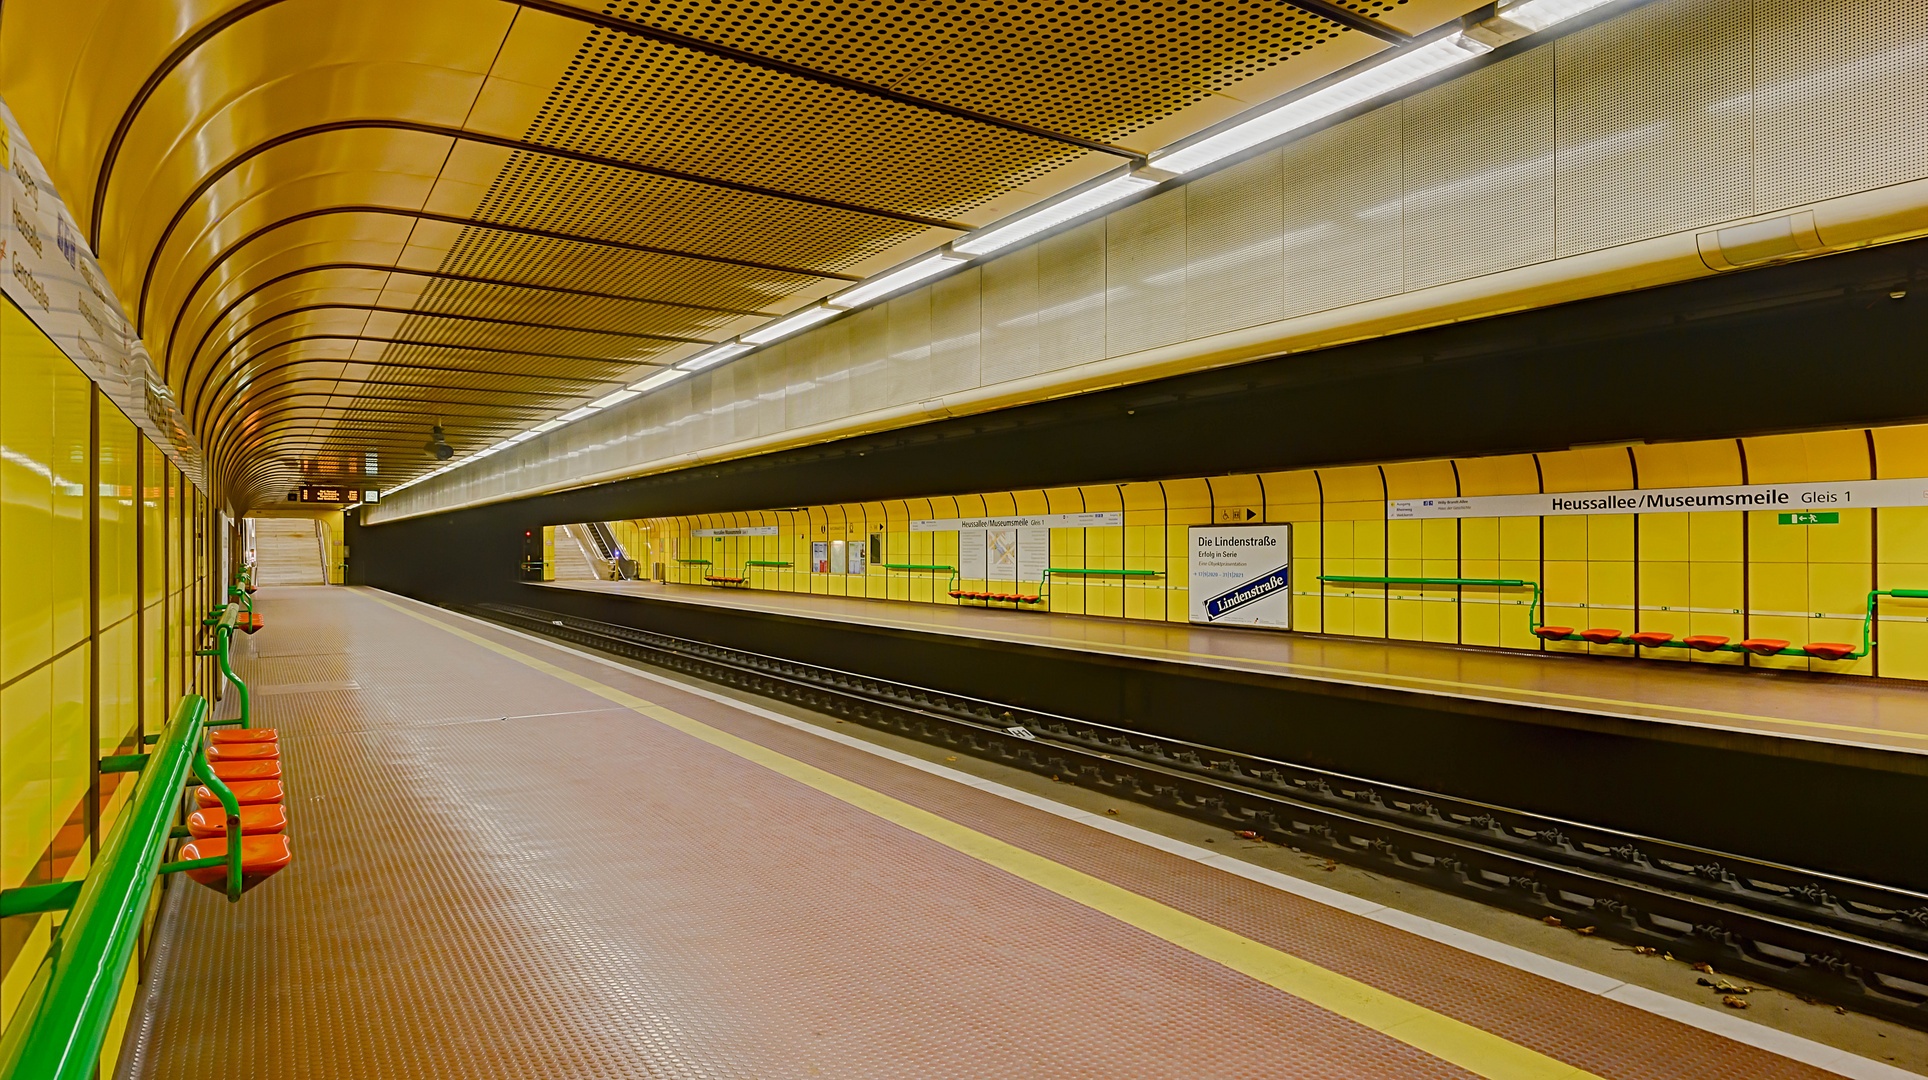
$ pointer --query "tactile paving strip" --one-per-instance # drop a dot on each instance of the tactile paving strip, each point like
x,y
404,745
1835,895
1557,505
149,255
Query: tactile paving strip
x,y
579,891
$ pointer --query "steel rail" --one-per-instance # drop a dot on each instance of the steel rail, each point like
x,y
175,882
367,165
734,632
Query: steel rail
x,y
1853,943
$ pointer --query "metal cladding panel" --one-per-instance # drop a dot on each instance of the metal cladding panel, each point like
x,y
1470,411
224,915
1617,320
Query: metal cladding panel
x,y
870,359
1145,274
772,379
1010,333
1071,297
1479,172
908,374
1234,253
955,329
1843,98
1651,112
833,370
1344,221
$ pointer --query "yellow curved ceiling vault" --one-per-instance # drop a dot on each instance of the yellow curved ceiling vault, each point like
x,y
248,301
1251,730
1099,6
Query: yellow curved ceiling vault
x,y
337,223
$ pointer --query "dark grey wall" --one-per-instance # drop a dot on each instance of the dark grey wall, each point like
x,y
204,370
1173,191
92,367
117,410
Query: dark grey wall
x,y
1815,344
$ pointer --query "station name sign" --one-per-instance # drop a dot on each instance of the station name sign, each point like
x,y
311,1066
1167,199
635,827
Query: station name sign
x,y
747,530
1840,495
1096,520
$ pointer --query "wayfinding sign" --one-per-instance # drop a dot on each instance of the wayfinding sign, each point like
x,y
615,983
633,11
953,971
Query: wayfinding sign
x,y
1837,496
1241,575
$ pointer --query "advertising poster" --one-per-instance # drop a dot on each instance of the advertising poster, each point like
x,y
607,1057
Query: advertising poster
x,y
837,556
970,554
1000,554
855,557
1241,575
820,556
1034,553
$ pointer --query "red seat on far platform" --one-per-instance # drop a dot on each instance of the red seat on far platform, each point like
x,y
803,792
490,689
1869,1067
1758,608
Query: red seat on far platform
x,y
256,819
243,751
246,792
1704,642
1552,633
1601,636
1764,646
248,621
1652,639
230,771
261,857
1828,650
242,734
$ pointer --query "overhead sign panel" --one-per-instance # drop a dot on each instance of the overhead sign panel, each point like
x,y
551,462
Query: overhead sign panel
x,y
1095,520
319,493
1837,496
747,530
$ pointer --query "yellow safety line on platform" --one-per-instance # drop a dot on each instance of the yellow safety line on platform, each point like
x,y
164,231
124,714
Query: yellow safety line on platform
x,y
1473,1049
1356,677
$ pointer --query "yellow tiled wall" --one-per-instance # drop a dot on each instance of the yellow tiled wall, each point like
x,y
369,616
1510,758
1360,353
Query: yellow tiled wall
x,y
1738,574
103,568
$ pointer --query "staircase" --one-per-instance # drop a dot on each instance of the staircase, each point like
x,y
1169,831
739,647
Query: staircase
x,y
572,561
287,552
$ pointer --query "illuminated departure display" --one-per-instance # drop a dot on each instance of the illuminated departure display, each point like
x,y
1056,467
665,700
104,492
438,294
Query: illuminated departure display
x,y
318,493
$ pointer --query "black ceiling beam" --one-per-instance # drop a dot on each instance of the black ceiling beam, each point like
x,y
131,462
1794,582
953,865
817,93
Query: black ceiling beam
x,y
447,219
452,316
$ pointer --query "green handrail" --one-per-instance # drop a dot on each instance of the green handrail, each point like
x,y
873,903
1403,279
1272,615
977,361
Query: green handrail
x,y
913,566
1044,581
221,620
763,562
68,1012
694,562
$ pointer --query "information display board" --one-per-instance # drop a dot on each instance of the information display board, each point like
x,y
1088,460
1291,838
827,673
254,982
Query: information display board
x,y
334,496
1241,575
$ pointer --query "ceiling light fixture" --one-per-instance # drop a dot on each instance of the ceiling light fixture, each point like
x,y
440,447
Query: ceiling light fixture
x,y
900,278
616,398
1402,69
575,414
1035,222
790,324
1533,16
549,425
713,356
661,378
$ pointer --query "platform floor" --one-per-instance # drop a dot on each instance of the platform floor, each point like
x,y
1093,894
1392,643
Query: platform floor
x,y
1852,711
512,860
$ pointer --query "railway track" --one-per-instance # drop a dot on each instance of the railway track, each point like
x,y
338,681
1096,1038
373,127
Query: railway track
x,y
1852,943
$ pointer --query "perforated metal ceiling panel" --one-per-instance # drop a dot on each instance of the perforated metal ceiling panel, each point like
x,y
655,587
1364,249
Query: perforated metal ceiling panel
x,y
340,221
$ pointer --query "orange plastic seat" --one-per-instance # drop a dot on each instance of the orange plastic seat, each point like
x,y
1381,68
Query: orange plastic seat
x,y
248,621
246,792
244,751
1764,646
256,819
261,858
1652,639
1601,636
1552,633
1704,642
230,771
242,734
1828,650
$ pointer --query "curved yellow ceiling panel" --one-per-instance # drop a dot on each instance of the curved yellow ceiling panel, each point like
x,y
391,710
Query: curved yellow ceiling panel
x,y
346,241
338,221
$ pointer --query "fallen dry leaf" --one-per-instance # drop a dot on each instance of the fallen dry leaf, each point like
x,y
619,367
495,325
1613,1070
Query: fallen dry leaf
x,y
1583,931
1113,813
1704,966
1552,920
1733,1002
1645,950
1331,865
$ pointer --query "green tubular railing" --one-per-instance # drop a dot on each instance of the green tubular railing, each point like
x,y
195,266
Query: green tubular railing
x,y
238,590
764,562
1044,583
1538,614
221,621
71,1004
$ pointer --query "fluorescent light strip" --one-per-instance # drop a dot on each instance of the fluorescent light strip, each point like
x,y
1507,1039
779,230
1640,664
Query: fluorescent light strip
x,y
574,415
790,324
661,378
1536,15
897,279
1403,69
616,398
712,356
1057,213
547,426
